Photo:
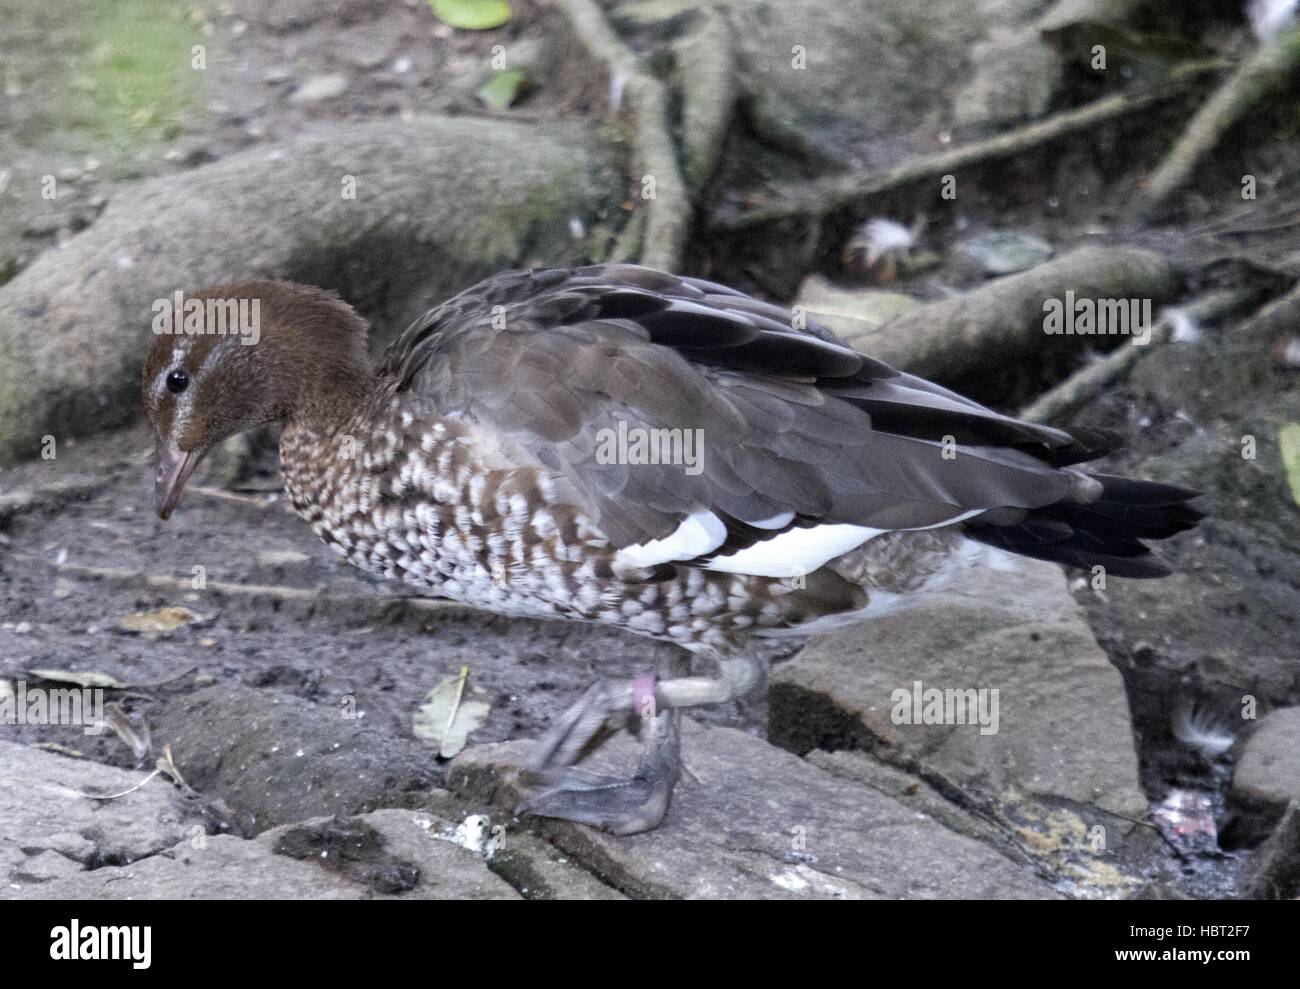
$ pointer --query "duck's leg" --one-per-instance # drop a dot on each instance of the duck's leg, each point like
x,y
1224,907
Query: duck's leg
x,y
639,802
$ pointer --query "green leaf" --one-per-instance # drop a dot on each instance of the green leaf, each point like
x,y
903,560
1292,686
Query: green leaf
x,y
446,718
1289,442
501,91
471,15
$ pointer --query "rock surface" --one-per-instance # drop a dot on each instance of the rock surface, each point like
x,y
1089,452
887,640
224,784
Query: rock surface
x,y
862,76
751,821
49,828
1267,776
1222,630
1273,872
394,854
318,88
1062,726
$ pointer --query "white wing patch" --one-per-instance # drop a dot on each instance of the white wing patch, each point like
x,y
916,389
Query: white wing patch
x,y
700,534
795,552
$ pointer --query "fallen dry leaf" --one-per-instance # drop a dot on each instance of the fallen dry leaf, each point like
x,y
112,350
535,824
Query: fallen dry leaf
x,y
446,718
164,621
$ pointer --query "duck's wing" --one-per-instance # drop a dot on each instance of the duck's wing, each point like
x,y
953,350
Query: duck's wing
x,y
790,448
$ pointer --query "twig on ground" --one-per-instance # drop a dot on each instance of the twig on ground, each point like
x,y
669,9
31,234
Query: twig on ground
x,y
163,766
669,208
821,196
1257,217
1256,79
116,796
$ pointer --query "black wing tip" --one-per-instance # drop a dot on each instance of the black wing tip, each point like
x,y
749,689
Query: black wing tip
x,y
1153,494
1107,532
1085,443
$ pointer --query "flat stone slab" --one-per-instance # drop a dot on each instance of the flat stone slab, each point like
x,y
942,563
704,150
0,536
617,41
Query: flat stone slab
x,y
750,821
1267,776
1062,729
540,871
389,854
1273,872
49,827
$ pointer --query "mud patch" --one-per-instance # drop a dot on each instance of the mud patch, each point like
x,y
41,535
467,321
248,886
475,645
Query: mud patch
x,y
353,849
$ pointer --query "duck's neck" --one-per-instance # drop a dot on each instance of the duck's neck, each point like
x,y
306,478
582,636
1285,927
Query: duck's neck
x,y
319,356
331,392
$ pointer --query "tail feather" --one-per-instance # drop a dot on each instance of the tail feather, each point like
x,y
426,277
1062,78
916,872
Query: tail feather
x,y
1106,532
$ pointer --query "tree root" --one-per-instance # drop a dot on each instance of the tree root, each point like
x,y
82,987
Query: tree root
x,y
1066,13
819,197
706,70
1090,381
1259,77
1280,317
1005,318
668,208
439,203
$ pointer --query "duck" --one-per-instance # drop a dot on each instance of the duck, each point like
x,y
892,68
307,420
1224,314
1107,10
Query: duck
x,y
615,444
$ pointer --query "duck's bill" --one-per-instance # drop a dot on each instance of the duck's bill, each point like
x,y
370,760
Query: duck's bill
x,y
174,467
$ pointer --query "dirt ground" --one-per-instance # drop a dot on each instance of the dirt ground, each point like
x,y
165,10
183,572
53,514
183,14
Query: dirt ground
x,y
92,510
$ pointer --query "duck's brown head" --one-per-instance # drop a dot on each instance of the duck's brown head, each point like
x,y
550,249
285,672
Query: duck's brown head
x,y
233,357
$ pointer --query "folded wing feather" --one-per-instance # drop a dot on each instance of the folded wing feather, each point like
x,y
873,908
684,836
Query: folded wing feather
x,y
807,450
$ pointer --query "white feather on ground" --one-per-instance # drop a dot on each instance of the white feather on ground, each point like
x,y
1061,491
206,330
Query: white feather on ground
x,y
1183,328
1202,730
882,237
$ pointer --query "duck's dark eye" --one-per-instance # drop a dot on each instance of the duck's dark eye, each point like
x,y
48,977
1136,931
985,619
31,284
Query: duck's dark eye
x,y
177,381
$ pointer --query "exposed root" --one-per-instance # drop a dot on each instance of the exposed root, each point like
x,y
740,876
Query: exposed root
x,y
706,70
1004,319
668,208
1090,381
819,197
1256,80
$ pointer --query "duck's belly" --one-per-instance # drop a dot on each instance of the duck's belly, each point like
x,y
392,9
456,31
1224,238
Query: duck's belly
x,y
432,515
694,608
434,555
